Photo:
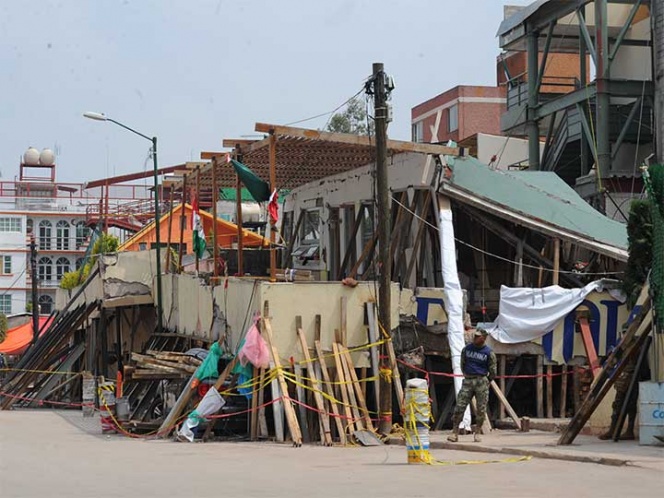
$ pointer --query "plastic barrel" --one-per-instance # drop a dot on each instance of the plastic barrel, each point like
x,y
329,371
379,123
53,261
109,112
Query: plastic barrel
x,y
106,393
417,416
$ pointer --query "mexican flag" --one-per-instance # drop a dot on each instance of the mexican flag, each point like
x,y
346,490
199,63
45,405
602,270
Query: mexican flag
x,y
197,227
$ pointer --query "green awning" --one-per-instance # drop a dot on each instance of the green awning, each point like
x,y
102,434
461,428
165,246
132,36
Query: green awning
x,y
258,188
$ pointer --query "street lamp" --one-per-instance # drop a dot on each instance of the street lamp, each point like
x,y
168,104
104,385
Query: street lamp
x,y
98,116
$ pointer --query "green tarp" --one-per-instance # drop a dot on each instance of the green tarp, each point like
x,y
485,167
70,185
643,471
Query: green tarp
x,y
258,188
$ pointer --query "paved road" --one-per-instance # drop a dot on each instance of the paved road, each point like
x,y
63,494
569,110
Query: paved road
x,y
43,454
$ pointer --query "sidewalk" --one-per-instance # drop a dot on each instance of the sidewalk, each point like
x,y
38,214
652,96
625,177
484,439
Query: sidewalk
x,y
586,449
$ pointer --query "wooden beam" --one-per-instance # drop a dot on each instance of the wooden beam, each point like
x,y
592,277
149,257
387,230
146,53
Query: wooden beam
x,y
328,388
361,140
589,345
207,155
234,142
350,244
506,404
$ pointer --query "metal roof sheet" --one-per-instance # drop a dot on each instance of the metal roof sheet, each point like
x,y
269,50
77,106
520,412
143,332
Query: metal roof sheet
x,y
539,199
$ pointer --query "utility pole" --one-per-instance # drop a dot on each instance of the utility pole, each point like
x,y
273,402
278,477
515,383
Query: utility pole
x,y
35,282
379,81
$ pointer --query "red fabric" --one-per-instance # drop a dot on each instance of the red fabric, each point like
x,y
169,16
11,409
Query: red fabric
x,y
19,338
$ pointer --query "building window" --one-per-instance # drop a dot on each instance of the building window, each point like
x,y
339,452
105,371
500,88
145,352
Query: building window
x,y
45,269
30,224
6,265
62,266
45,229
310,227
82,233
45,305
8,224
62,236
142,246
453,118
6,304
417,131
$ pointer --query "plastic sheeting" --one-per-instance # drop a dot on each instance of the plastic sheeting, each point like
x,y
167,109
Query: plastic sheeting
x,y
526,314
211,403
453,295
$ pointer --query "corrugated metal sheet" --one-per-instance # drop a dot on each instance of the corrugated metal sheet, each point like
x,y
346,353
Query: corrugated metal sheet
x,y
540,198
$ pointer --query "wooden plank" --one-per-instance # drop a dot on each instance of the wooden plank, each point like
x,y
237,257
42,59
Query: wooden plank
x,y
564,380
343,321
351,139
589,345
549,391
420,234
396,377
262,421
373,351
330,392
506,404
253,423
359,395
613,366
350,388
502,367
324,416
304,423
291,419
368,250
539,381
352,242
348,411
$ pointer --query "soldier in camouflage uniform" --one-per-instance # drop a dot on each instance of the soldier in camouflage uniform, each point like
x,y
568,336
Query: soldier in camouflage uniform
x,y
478,364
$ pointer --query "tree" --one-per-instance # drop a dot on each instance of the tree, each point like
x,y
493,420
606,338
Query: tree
x,y
4,325
353,119
106,243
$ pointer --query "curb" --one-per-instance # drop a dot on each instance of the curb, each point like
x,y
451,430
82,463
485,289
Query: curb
x,y
549,455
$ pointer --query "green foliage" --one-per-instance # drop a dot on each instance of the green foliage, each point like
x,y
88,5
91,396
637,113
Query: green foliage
x,y
639,234
656,192
4,325
105,244
28,307
353,119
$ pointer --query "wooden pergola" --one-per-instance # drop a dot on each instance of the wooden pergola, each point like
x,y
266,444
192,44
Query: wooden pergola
x,y
287,157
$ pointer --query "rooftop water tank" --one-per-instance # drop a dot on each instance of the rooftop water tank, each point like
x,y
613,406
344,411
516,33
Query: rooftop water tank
x,y
47,157
31,157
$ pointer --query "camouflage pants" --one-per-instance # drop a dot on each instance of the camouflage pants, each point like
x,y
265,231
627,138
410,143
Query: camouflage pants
x,y
474,386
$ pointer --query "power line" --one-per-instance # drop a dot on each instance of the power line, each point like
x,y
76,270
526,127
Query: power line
x,y
326,113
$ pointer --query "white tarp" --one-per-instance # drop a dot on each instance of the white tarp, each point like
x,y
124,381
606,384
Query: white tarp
x,y
453,295
526,314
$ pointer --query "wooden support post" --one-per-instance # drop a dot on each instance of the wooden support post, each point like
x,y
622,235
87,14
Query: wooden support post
x,y
355,383
506,404
253,427
238,215
198,203
273,190
420,235
589,345
215,196
373,351
293,426
262,421
351,417
343,321
549,391
366,254
183,222
170,231
299,389
330,392
351,243
540,386
501,373
556,261
576,388
324,416
563,392
396,376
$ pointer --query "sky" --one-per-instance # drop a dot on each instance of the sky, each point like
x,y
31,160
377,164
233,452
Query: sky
x,y
194,72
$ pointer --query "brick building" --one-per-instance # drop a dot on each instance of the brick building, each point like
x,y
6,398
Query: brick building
x,y
458,113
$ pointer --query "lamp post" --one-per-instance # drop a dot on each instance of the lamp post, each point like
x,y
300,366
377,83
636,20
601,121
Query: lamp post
x,y
97,116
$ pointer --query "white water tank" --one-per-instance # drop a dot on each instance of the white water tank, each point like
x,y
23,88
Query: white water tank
x,y
47,157
31,157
